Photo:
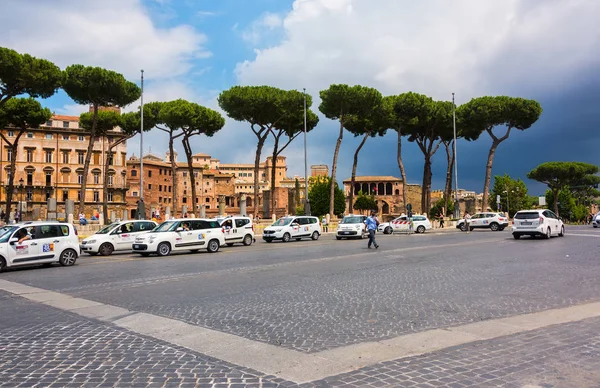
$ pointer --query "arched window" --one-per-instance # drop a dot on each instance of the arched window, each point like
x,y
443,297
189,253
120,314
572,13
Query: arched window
x,y
397,192
388,189
381,189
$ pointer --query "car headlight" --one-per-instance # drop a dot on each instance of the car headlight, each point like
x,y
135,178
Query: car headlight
x,y
90,241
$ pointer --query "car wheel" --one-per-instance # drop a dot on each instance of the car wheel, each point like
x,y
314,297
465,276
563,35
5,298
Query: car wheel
x,y
494,227
562,231
229,244
338,238
548,233
315,236
247,240
463,227
2,264
213,246
388,230
163,249
516,236
421,229
106,249
286,237
67,258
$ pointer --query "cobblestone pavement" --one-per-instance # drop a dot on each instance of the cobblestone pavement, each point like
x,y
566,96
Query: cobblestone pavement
x,y
565,355
45,347
311,302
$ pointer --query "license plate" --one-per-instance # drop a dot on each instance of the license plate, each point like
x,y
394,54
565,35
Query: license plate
x,y
526,223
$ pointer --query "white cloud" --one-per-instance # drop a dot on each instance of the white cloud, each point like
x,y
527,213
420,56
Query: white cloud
x,y
264,26
436,47
115,34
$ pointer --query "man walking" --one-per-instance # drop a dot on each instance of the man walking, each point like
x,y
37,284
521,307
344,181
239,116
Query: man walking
x,y
372,224
468,221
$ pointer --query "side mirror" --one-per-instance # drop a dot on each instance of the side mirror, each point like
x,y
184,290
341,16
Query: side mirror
x,y
13,241
179,229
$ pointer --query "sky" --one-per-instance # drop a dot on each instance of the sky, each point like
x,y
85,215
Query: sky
x,y
194,49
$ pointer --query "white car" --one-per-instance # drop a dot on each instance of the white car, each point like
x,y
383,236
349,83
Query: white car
x,y
237,229
298,227
485,220
537,222
43,242
115,237
402,224
188,234
352,226
596,220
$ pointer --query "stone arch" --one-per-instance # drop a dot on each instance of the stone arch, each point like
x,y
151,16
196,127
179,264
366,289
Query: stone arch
x,y
381,189
388,189
356,188
385,207
365,188
249,202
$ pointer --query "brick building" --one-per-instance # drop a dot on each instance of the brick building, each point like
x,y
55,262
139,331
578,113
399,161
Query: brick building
x,y
50,165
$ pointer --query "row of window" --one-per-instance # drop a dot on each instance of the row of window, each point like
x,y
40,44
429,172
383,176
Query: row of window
x,y
65,195
66,159
50,136
66,178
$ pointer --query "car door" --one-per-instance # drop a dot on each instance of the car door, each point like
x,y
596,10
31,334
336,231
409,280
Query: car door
x,y
242,226
295,227
24,252
476,221
187,238
553,220
401,224
50,241
124,236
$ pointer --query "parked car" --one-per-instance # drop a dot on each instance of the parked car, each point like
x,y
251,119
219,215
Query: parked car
x,y
485,220
352,226
117,236
537,222
287,228
44,242
188,234
237,229
402,224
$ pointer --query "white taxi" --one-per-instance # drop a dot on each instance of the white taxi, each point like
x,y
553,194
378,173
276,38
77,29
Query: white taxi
x,y
537,222
188,234
496,222
237,229
352,226
43,242
298,227
115,237
403,224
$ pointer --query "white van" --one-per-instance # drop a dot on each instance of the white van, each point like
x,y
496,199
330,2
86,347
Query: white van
x,y
115,237
42,242
287,228
237,229
188,234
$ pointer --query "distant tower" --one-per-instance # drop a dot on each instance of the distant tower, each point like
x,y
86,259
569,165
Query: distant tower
x,y
319,170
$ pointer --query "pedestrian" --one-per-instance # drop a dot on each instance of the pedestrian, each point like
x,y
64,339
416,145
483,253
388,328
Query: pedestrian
x,y
441,217
17,216
324,221
372,223
82,219
468,221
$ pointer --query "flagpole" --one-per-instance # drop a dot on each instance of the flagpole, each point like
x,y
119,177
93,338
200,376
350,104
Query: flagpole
x,y
140,215
456,204
306,201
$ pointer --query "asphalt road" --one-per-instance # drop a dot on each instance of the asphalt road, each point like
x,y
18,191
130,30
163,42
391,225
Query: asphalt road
x,y
313,298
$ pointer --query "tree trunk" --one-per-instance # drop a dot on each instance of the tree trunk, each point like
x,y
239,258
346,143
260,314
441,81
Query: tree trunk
x,y
555,202
86,164
426,190
334,169
450,160
259,147
274,174
402,171
174,173
105,185
488,176
11,180
190,162
353,178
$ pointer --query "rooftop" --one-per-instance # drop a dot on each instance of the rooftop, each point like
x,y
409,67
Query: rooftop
x,y
374,179
65,118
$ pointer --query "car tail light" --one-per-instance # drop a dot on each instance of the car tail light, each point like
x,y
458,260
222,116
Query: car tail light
x,y
541,220
500,219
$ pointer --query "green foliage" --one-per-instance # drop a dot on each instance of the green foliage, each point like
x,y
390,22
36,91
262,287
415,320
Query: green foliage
x,y
23,113
365,202
319,198
567,205
436,210
258,105
131,121
340,102
105,121
24,74
98,86
190,117
560,175
512,191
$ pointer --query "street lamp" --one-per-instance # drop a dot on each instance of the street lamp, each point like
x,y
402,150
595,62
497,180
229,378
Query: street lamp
x,y
306,200
21,201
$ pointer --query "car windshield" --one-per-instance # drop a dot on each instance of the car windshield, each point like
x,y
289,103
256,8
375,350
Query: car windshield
x,y
527,215
6,232
167,226
107,228
352,220
282,221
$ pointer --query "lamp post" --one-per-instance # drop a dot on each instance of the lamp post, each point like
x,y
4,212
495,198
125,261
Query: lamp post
x,y
456,204
306,201
507,204
21,201
141,209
